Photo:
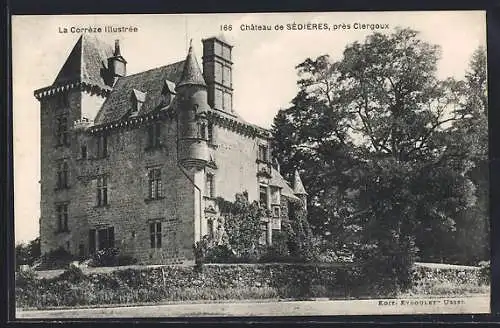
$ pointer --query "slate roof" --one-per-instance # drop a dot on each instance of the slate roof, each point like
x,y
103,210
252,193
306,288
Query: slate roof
x,y
191,73
87,62
151,82
298,187
278,181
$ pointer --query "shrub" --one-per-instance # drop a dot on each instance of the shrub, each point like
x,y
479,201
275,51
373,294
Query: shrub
x,y
26,278
485,272
104,257
126,260
27,253
74,275
219,254
56,259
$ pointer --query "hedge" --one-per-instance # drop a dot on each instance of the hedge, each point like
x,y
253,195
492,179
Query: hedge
x,y
214,282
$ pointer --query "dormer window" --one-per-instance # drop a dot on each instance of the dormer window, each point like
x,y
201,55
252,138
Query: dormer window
x,y
167,93
138,100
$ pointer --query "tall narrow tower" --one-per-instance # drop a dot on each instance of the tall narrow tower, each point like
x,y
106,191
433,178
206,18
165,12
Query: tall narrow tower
x,y
192,146
71,102
192,121
217,70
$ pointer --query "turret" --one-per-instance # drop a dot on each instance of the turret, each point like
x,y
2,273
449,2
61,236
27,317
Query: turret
x,y
117,65
298,188
192,121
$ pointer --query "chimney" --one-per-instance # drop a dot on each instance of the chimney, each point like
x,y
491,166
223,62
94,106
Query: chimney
x,y
217,71
117,65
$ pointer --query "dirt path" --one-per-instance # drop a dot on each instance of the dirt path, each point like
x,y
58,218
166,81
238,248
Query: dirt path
x,y
475,304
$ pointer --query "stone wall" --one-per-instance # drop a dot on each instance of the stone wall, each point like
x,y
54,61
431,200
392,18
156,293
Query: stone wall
x,y
129,210
235,156
51,153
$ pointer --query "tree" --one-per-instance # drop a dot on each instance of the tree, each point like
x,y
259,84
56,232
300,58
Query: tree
x,y
28,253
242,225
374,134
471,136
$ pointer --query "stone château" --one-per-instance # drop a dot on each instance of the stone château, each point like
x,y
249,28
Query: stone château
x,y
137,161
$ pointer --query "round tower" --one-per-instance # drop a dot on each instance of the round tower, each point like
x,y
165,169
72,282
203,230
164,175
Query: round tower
x,y
191,116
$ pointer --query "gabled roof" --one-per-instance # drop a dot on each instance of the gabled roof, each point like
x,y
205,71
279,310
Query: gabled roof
x,y
87,62
120,101
139,95
169,86
191,72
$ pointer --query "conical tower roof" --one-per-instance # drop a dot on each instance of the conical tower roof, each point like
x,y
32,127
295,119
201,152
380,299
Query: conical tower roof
x,y
298,187
191,74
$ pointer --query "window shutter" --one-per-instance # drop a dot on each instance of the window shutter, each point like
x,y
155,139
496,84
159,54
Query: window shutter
x,y
91,241
111,236
152,234
158,235
107,189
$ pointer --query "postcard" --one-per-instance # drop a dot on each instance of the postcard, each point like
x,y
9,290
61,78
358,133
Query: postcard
x,y
251,164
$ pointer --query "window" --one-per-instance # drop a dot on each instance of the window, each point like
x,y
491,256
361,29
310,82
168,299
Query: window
x,y
81,250
102,190
210,129
263,196
226,77
218,72
155,186
263,234
62,131
83,151
210,228
275,195
62,217
138,100
263,150
202,130
154,135
226,52
138,106
155,234
276,211
210,185
102,146
101,238
218,99
62,175
227,102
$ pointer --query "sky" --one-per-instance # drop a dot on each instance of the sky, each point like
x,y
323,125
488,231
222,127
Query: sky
x,y
264,75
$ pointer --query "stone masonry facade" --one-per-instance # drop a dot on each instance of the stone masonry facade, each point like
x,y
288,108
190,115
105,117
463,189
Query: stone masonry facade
x,y
137,161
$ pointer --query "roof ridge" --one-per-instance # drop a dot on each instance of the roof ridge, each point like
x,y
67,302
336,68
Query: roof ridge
x,y
152,69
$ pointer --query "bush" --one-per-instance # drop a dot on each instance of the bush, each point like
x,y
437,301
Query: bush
x,y
485,272
126,260
219,254
74,275
26,278
56,259
105,257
